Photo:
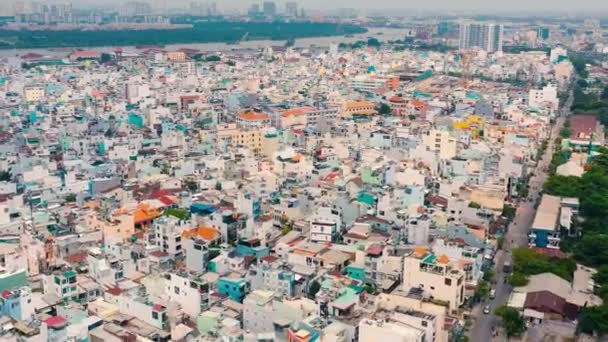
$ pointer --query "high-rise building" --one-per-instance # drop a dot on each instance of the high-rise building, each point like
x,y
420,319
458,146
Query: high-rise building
x,y
269,8
486,36
254,10
443,28
291,9
544,33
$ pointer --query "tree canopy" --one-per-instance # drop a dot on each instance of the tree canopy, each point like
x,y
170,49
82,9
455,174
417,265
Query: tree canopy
x,y
200,32
512,321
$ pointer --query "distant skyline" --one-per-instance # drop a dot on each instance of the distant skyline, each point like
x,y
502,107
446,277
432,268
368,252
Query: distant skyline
x,y
461,7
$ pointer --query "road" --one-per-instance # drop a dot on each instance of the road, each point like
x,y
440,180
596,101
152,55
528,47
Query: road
x,y
517,235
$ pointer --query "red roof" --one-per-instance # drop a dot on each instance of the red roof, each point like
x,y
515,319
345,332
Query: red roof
x,y
6,293
86,54
115,291
55,321
438,200
31,55
269,258
157,307
583,125
77,257
550,252
159,254
374,250
166,200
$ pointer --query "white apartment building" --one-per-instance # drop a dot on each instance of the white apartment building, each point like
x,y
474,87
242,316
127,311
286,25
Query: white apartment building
x,y
442,142
190,291
167,234
261,311
197,254
435,277
538,98
325,224
370,330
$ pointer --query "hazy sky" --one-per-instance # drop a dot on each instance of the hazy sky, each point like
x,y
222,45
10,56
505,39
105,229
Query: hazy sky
x,y
537,6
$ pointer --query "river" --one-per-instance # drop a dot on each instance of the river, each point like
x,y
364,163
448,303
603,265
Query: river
x,y
379,33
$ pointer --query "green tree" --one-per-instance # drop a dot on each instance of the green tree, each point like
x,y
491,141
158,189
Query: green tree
x,y
5,176
593,320
474,205
518,279
70,198
512,321
592,249
191,185
213,58
566,186
373,42
105,58
605,93
218,186
528,262
509,212
384,109
489,275
314,287
286,228
482,291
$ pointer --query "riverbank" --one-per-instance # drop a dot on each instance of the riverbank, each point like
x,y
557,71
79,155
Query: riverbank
x,y
380,33
207,32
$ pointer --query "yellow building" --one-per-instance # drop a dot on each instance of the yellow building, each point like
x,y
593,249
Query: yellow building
x,y
34,93
232,135
120,227
358,108
442,142
435,276
176,56
473,123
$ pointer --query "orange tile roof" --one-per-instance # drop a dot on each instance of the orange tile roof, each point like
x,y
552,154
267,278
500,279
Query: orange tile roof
x,y
145,212
443,259
367,112
359,104
420,251
296,111
396,99
254,116
418,104
92,204
205,233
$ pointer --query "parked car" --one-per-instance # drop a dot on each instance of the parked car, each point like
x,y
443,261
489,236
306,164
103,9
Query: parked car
x,y
492,293
486,309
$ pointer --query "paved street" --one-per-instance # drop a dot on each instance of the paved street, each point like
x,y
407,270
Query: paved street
x,y
516,237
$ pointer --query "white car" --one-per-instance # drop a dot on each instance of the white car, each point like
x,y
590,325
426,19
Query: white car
x,y
486,309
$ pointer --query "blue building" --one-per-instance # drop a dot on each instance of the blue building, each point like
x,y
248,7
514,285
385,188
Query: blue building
x,y
235,288
16,303
545,230
252,248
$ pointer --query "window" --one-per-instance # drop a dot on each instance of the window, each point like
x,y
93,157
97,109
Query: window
x,y
448,281
424,323
198,247
154,315
176,290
